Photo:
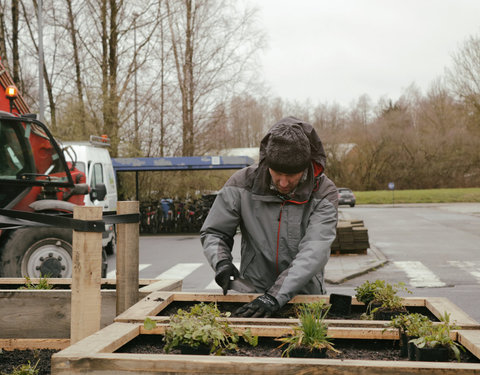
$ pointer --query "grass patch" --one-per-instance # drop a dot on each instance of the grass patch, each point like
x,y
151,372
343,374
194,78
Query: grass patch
x,y
418,196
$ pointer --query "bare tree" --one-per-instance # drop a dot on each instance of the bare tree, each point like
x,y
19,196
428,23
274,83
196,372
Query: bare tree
x,y
213,43
464,76
15,54
72,29
3,37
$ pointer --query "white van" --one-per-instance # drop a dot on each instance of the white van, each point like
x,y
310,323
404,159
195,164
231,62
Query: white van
x,y
93,159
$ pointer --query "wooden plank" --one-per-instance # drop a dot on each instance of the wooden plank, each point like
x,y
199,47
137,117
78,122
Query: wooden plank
x,y
470,340
163,285
278,331
141,364
151,305
243,297
95,354
439,305
20,281
86,276
46,314
22,344
106,340
154,306
127,258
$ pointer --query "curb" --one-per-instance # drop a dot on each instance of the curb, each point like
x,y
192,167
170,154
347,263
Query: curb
x,y
379,262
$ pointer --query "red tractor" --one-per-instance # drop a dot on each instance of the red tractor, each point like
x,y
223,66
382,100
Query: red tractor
x,y
34,177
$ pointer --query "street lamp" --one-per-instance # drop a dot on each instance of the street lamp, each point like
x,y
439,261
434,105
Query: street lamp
x,y
137,142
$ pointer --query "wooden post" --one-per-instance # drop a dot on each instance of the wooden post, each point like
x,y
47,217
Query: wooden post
x,y
127,258
86,277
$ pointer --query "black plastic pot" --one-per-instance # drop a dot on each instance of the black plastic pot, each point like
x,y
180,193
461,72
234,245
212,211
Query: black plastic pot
x,y
403,344
382,314
341,304
439,354
200,350
411,348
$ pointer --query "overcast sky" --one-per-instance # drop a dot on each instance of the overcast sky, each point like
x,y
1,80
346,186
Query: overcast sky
x,y
336,50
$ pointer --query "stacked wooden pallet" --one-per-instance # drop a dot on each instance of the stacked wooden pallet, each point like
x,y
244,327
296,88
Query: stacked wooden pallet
x,y
352,238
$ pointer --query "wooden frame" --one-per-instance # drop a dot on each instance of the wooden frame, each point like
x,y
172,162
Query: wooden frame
x,y
153,304
45,314
95,354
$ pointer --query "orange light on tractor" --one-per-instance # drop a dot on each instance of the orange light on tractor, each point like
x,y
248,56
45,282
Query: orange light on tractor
x,y
11,92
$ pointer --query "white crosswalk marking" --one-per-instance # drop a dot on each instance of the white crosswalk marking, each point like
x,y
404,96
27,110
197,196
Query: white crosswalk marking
x,y
113,273
471,267
419,275
214,285
179,271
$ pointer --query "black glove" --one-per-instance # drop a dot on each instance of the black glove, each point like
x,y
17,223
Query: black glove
x,y
263,306
224,271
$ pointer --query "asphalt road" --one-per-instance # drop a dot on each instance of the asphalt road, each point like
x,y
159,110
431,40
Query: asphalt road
x,y
434,249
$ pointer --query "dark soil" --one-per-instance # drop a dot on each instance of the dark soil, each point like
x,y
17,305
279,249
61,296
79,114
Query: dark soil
x,y
288,311
9,360
379,350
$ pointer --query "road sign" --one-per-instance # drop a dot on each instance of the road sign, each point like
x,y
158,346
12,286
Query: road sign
x,y
391,185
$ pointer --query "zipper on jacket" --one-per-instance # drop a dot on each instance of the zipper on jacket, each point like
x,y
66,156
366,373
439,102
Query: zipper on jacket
x,y
278,235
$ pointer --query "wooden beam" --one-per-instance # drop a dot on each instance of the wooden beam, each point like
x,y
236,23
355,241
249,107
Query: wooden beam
x,y
106,340
22,344
60,283
470,340
155,303
127,258
86,277
163,285
151,305
95,354
45,314
439,305
278,331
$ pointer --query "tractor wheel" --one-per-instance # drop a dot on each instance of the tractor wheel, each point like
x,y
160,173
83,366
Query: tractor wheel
x,y
37,252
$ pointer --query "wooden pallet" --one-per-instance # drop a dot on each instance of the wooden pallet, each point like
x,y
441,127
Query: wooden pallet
x,y
96,354
351,238
153,304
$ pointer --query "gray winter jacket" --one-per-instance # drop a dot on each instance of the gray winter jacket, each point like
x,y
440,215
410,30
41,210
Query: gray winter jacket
x,y
285,242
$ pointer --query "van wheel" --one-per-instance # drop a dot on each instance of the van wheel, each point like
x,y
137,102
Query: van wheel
x,y
37,252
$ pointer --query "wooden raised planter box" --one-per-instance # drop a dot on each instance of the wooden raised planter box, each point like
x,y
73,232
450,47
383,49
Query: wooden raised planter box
x,y
96,354
154,305
45,314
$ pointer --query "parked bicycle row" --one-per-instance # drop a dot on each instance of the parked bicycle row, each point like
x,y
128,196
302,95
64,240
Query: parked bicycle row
x,y
174,216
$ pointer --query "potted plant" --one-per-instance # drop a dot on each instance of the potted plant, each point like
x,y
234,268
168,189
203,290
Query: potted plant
x,y
365,292
309,338
409,327
435,342
199,331
381,299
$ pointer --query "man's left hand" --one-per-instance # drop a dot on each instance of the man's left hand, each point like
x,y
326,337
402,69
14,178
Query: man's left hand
x,y
263,306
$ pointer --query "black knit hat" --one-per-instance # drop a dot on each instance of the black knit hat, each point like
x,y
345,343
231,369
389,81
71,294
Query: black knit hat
x,y
288,149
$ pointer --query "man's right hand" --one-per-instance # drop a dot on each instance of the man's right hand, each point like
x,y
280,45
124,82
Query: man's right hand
x,y
224,271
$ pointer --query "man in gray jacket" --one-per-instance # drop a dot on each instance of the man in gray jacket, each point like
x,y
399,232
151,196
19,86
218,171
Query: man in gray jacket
x,y
287,211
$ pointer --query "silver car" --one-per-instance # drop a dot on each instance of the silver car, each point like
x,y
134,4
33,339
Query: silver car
x,y
346,197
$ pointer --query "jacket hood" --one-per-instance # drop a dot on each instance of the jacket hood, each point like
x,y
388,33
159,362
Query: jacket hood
x,y
317,152
261,184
